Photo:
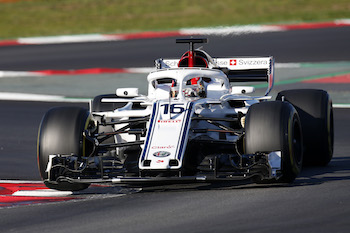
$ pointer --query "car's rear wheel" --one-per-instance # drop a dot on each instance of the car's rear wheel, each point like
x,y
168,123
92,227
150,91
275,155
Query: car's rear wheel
x,y
275,126
61,132
316,115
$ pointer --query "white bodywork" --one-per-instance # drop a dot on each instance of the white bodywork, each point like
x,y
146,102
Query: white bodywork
x,y
172,101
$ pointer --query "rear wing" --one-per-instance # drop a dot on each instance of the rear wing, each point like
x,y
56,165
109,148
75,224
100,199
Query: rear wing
x,y
238,69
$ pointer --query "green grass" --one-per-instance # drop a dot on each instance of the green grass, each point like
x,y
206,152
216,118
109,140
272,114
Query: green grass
x,y
23,18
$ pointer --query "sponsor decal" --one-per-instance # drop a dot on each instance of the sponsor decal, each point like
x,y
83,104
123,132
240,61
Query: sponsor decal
x,y
242,62
233,62
221,63
171,63
169,121
161,154
160,161
163,147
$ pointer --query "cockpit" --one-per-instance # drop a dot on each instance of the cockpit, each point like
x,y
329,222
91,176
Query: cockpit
x,y
187,83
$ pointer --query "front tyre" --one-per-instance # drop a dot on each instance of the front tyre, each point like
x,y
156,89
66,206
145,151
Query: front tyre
x,y
275,126
61,132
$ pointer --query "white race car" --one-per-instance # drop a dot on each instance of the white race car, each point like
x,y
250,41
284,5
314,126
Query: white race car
x,y
195,125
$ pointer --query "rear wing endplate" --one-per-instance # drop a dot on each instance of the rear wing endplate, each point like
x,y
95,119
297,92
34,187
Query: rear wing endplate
x,y
248,69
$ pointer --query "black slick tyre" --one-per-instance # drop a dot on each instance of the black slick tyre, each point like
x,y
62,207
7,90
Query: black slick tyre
x,y
316,115
275,126
61,132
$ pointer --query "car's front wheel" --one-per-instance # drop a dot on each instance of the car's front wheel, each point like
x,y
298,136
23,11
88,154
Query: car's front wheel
x,y
61,132
275,126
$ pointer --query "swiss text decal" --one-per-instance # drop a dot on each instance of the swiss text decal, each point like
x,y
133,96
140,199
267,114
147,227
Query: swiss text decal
x,y
252,62
244,63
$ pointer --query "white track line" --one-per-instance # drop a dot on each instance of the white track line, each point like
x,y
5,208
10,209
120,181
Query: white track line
x,y
15,74
68,39
39,97
341,105
42,193
233,30
21,181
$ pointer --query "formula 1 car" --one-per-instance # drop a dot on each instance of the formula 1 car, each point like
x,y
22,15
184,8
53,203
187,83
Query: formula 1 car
x,y
195,125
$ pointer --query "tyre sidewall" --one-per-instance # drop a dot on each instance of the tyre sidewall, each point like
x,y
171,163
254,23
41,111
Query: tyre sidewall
x,y
61,132
270,127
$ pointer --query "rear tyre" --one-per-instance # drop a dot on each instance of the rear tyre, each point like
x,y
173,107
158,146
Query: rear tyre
x,y
316,116
275,126
61,132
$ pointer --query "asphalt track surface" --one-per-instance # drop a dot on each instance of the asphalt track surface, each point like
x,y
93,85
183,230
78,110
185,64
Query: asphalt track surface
x,y
317,45
318,201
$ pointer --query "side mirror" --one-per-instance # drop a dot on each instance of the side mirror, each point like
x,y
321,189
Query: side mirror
x,y
127,92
